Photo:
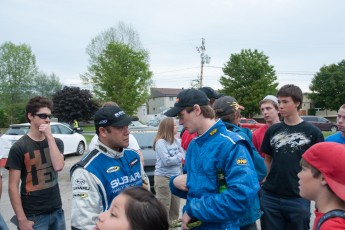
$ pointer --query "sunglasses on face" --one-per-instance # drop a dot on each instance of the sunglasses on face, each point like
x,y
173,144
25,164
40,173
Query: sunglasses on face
x,y
43,115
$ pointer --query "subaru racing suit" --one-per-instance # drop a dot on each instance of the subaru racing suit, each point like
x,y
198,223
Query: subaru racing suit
x,y
97,179
218,149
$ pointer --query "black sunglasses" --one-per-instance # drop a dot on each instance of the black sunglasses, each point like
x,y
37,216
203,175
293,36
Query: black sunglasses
x,y
43,115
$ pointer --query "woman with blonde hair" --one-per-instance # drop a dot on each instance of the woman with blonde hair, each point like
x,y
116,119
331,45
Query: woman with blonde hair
x,y
169,157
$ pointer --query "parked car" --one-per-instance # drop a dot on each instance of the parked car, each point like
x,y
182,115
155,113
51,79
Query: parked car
x,y
250,123
74,143
145,140
321,122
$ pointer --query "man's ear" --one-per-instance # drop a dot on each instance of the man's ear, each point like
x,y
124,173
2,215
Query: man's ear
x,y
322,180
30,116
197,109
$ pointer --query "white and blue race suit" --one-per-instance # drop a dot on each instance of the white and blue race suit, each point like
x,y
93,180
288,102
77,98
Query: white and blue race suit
x,y
97,179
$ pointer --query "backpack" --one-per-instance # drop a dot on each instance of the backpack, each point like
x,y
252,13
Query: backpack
x,y
331,214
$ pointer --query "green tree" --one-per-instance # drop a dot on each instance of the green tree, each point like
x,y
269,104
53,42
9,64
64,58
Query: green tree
x,y
327,86
123,33
74,103
46,85
248,77
17,68
121,74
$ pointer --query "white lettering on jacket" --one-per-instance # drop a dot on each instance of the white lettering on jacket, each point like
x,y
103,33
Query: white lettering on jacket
x,y
125,179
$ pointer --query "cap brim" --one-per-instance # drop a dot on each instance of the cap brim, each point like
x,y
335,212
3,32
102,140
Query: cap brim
x,y
173,112
336,187
124,122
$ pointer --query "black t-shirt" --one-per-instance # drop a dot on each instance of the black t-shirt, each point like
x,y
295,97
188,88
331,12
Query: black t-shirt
x,y
286,144
39,189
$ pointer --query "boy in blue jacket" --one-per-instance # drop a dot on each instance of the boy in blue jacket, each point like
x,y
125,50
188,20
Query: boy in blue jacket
x,y
215,151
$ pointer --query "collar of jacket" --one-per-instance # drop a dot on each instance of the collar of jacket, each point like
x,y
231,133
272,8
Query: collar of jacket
x,y
108,151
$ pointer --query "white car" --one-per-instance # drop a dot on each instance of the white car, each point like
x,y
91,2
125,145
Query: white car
x,y
74,143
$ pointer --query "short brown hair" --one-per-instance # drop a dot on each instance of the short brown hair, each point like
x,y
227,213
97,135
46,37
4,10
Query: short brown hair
x,y
292,91
35,104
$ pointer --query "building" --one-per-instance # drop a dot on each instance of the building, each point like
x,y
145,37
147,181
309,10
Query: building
x,y
161,99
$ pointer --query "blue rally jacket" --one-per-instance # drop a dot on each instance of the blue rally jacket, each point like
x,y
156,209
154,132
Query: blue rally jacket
x,y
218,149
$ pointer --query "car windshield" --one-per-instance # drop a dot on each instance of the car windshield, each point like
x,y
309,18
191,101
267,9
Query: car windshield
x,y
145,139
18,130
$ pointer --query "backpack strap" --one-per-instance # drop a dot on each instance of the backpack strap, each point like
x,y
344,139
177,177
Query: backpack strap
x,y
331,214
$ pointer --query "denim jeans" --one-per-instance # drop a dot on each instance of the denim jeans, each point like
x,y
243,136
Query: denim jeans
x,y
284,214
53,221
3,225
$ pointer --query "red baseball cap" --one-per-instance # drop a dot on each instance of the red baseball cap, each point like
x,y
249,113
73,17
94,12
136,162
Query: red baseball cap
x,y
329,159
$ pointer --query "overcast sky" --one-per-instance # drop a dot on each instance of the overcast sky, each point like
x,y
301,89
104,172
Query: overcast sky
x,y
298,36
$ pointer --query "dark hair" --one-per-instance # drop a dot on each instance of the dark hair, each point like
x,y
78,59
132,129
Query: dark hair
x,y
36,103
144,211
230,117
292,91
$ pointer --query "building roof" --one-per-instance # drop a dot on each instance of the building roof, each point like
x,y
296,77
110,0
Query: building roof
x,y
164,92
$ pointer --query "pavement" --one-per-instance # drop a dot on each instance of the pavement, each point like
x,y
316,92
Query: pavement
x,y
66,195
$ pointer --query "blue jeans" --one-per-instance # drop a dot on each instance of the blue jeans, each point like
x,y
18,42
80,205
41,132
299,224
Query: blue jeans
x,y
284,214
53,221
3,225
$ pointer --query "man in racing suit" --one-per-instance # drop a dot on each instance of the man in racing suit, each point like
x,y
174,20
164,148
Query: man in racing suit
x,y
107,170
217,201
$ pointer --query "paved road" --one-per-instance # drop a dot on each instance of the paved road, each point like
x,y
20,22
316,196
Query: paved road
x,y
65,189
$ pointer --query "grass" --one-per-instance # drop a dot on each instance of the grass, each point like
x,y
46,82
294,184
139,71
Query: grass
x,y
88,138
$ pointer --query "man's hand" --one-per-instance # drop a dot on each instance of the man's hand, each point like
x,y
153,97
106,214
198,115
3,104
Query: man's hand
x,y
26,224
185,220
45,129
180,182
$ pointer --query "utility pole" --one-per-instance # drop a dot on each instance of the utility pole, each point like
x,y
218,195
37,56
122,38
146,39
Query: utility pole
x,y
204,59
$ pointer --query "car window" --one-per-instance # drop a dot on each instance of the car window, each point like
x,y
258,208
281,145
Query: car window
x,y
55,129
64,130
243,121
18,130
322,119
251,121
145,139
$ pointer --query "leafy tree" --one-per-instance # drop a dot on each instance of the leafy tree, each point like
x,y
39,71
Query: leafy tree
x,y
123,33
17,68
121,74
46,85
249,77
74,103
328,86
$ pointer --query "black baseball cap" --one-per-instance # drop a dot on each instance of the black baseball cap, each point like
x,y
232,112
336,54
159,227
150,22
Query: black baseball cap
x,y
112,116
187,98
210,93
226,105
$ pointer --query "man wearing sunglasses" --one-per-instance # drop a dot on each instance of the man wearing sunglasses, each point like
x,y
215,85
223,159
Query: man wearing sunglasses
x,y
219,180
34,160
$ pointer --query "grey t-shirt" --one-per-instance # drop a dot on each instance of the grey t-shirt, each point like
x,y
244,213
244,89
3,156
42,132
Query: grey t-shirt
x,y
169,157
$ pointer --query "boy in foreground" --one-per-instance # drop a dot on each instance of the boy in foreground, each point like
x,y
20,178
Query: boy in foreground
x,y
322,180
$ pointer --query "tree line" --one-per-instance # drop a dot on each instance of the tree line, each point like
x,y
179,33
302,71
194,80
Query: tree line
x,y
119,71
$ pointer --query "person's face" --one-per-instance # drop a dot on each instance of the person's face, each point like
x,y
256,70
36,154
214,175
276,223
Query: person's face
x,y
287,106
42,116
115,217
308,185
187,120
269,112
341,120
116,137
